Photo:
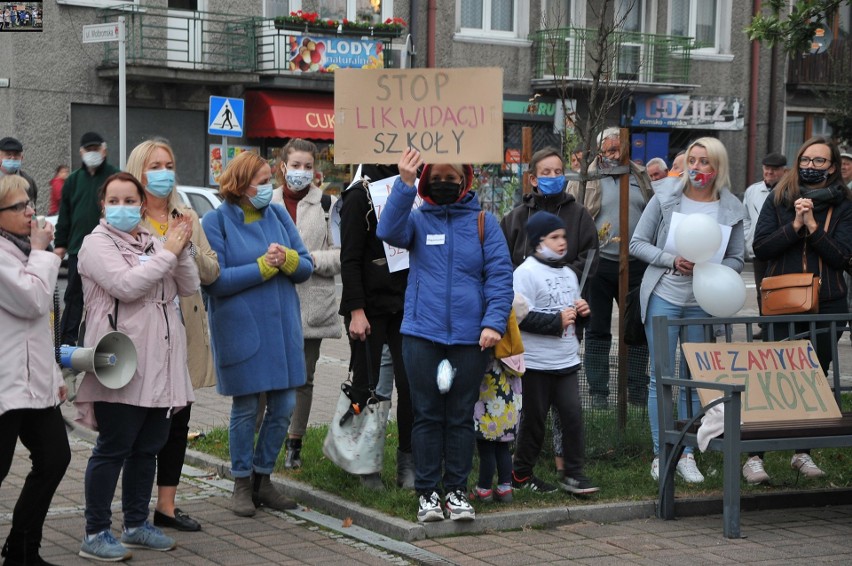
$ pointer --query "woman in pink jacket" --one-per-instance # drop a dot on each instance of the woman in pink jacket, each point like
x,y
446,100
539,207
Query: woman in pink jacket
x,y
31,387
130,283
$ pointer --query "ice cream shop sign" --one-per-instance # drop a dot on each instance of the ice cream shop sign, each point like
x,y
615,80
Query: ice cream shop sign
x,y
322,54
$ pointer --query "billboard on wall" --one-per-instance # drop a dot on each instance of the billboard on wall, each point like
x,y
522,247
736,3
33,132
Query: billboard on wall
x,y
321,54
689,111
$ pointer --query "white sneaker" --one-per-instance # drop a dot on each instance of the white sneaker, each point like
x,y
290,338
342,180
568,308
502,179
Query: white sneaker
x,y
688,470
655,468
753,471
458,507
430,508
805,466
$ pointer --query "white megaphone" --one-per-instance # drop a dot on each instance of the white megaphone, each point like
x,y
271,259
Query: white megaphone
x,y
113,360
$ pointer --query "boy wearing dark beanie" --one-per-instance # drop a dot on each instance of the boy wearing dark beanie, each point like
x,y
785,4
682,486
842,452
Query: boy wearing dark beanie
x,y
551,356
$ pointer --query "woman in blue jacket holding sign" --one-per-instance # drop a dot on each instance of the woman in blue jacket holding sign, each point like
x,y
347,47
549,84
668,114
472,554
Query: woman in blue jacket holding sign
x,y
456,305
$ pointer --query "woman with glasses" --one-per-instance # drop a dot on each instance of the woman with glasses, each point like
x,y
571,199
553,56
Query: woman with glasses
x,y
806,225
31,387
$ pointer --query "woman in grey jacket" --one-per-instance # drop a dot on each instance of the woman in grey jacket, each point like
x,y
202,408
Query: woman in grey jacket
x,y
667,284
308,207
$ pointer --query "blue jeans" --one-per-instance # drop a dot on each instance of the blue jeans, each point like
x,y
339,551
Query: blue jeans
x,y
661,307
129,439
246,456
443,424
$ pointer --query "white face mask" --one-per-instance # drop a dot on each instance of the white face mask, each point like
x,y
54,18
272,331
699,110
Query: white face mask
x,y
549,254
299,179
93,158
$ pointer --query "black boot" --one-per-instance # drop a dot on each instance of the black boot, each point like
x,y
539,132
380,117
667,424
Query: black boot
x,y
14,552
33,558
293,460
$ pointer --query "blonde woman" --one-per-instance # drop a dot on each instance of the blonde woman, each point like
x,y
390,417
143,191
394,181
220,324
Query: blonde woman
x,y
152,162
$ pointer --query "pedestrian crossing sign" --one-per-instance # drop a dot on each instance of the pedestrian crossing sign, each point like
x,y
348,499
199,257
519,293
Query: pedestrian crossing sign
x,y
226,116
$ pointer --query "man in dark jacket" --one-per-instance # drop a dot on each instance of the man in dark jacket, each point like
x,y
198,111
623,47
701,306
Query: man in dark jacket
x,y
11,156
79,213
372,305
581,234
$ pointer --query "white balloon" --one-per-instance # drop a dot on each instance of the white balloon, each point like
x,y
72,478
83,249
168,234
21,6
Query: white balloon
x,y
697,237
719,290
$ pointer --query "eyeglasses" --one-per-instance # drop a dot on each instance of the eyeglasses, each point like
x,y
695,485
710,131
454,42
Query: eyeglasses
x,y
817,161
19,206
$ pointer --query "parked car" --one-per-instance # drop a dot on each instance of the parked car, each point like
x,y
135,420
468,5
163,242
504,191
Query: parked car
x,y
200,199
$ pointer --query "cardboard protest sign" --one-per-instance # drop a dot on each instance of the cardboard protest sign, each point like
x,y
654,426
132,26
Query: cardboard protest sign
x,y
379,192
783,380
448,115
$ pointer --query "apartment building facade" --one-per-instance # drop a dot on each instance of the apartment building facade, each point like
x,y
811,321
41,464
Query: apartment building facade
x,y
685,67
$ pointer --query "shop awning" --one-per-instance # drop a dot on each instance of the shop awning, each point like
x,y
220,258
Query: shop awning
x,y
273,114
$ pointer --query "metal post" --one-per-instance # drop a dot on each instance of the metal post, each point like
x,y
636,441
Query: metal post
x,y
122,96
623,277
526,156
224,152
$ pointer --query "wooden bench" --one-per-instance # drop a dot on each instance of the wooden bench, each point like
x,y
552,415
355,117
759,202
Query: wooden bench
x,y
737,437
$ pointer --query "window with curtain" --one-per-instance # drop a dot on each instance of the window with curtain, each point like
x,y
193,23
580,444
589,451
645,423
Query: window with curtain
x,y
557,13
698,19
356,10
629,13
488,15
275,8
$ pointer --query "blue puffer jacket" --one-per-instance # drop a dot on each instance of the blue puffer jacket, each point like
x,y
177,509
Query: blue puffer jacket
x,y
456,286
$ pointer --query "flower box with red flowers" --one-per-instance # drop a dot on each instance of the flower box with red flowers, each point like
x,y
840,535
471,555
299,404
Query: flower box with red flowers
x,y
311,23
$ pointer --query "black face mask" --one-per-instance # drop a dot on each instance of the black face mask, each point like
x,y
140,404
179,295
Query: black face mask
x,y
444,192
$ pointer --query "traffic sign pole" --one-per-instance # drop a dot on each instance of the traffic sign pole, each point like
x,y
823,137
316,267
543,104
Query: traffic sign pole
x,y
122,96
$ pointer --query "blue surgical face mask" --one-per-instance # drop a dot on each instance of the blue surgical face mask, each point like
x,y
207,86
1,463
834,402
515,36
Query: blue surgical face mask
x,y
12,165
160,182
299,179
263,196
551,185
123,217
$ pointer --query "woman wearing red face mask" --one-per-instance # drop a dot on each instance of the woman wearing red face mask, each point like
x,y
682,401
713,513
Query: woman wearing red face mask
x,y
667,283
456,306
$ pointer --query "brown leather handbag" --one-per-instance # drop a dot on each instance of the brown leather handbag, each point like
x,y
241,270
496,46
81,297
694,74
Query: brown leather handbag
x,y
792,293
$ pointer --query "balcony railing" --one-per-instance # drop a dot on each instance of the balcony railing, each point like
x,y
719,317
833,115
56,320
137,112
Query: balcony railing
x,y
215,42
826,70
203,41
566,53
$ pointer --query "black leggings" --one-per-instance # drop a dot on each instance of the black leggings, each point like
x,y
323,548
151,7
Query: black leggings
x,y
170,459
493,455
42,432
383,329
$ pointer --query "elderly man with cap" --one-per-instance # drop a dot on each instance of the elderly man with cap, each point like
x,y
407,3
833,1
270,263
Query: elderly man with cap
x,y
846,165
79,213
774,167
11,154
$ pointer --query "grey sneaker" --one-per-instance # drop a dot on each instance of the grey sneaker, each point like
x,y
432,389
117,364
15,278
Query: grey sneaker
x,y
105,548
148,536
753,471
579,485
430,508
805,466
